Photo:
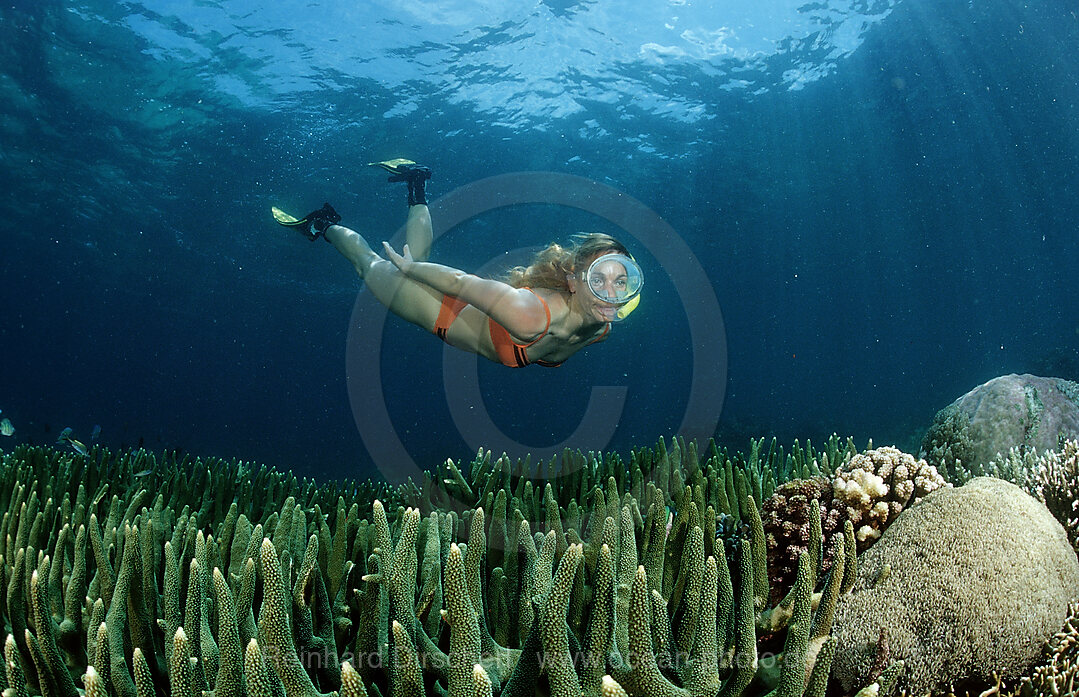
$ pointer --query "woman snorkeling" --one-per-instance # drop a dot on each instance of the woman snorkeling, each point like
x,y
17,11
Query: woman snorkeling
x,y
564,300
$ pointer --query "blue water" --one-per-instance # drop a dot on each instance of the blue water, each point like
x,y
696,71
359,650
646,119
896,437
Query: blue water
x,y
883,197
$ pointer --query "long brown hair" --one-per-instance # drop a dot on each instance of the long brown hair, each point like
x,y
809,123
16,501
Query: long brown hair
x,y
552,265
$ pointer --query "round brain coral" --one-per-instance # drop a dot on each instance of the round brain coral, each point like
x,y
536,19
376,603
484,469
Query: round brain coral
x,y
875,486
967,585
1011,411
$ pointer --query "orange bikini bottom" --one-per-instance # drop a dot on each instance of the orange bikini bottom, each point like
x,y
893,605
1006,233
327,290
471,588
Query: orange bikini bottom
x,y
510,353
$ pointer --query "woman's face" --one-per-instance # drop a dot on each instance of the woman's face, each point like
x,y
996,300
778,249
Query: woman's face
x,y
607,279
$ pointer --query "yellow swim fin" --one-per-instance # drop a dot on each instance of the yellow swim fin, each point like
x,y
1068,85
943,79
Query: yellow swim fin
x,y
312,225
393,166
286,219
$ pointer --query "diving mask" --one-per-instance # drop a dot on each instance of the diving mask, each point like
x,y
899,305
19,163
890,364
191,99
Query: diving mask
x,y
616,279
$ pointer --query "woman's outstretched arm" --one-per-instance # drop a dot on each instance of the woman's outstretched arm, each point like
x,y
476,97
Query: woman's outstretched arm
x,y
518,310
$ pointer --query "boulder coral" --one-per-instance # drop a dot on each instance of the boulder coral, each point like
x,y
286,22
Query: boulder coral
x,y
965,586
1057,673
1025,412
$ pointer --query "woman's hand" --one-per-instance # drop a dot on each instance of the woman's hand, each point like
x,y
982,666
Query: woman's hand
x,y
403,263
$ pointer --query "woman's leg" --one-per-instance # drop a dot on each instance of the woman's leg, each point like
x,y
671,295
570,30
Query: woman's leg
x,y
418,232
409,300
418,236
352,246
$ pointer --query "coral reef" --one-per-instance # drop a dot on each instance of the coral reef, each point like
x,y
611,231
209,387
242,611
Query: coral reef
x,y
1058,673
585,575
1026,412
603,577
869,489
875,486
963,587
789,518
1054,479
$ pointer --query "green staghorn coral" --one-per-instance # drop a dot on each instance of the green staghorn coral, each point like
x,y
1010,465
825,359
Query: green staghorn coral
x,y
589,574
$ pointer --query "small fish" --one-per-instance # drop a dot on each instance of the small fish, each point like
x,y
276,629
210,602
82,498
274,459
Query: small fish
x,y
66,439
6,427
144,473
78,447
95,433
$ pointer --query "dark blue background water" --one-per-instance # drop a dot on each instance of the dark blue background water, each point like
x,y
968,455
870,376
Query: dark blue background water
x,y
884,197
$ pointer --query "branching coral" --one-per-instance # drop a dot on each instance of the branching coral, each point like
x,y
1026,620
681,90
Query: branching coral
x,y
877,485
868,489
586,575
1054,478
789,519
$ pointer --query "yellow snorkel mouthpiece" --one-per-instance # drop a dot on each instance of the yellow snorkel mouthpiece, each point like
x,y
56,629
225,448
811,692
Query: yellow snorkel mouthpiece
x,y
623,312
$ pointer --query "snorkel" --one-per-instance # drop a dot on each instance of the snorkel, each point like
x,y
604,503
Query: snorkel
x,y
623,312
